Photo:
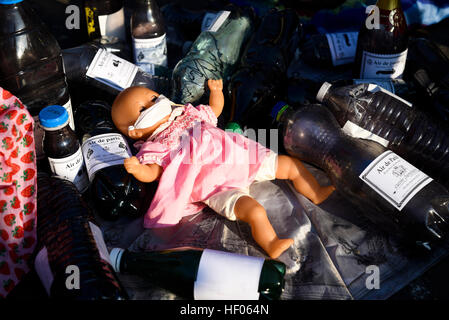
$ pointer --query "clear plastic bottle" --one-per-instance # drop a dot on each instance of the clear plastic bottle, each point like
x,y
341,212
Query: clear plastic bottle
x,y
71,243
205,274
391,192
31,63
148,35
392,122
62,148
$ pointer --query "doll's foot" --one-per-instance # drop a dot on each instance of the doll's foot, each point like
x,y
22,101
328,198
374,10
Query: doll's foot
x,y
278,246
324,193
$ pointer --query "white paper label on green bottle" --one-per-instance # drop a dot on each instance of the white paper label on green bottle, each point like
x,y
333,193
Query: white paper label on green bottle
x,y
103,151
383,66
227,276
343,47
393,178
113,25
71,168
112,70
68,107
150,52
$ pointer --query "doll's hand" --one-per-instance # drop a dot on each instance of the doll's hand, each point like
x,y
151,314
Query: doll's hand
x,y
215,85
132,165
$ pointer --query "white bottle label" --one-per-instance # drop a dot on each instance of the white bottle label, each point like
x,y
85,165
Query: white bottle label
x,y
103,151
71,168
374,88
215,24
150,52
112,70
227,276
99,241
396,180
385,84
68,107
356,131
343,47
113,25
382,65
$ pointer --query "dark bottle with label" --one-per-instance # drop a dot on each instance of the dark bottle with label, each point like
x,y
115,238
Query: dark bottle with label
x,y
148,35
97,65
113,191
330,49
31,63
71,244
105,18
382,42
388,190
200,274
400,127
62,148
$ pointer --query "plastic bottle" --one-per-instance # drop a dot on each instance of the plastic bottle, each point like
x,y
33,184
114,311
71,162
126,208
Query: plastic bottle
x,y
105,18
148,35
62,148
114,192
98,67
213,55
380,116
382,42
205,274
330,49
33,71
388,190
71,243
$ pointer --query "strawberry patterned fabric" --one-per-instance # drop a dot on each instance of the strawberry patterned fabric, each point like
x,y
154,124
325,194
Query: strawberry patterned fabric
x,y
17,191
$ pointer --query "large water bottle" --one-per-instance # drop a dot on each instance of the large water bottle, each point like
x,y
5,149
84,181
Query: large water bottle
x,y
73,261
366,111
391,192
31,63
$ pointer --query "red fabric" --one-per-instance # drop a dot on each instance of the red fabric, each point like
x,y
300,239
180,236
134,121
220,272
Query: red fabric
x,y
17,191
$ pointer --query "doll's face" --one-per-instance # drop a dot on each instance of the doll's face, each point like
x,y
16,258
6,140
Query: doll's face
x,y
127,108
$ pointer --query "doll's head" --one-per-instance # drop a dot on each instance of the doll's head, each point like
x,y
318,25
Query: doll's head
x,y
138,111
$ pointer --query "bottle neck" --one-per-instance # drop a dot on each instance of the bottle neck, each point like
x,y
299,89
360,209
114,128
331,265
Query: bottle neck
x,y
388,4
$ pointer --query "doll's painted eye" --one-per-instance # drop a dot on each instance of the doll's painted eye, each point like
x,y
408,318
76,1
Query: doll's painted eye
x,y
154,99
142,108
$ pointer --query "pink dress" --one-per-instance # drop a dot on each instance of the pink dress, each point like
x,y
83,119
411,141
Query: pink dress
x,y
199,160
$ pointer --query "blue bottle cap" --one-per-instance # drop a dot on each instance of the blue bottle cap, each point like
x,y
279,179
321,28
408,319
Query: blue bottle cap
x,y
277,108
53,117
10,1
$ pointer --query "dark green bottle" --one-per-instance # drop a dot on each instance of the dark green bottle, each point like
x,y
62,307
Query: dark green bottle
x,y
186,272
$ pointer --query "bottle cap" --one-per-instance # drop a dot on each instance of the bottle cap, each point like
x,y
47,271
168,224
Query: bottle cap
x,y
116,257
10,1
53,117
278,109
323,90
234,127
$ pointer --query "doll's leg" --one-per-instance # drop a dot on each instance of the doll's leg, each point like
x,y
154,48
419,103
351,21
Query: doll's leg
x,y
303,180
250,211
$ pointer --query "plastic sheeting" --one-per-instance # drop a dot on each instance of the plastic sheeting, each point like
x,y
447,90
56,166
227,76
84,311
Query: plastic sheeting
x,y
333,246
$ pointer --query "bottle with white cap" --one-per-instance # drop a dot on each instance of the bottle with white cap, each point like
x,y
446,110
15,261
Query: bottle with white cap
x,y
61,146
205,274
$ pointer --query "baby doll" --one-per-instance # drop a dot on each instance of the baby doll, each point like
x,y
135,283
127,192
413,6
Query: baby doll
x,y
198,164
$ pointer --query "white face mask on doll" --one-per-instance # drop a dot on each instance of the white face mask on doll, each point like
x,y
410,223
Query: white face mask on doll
x,y
161,108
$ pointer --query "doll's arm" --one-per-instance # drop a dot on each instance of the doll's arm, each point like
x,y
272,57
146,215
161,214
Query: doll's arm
x,y
216,98
143,172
